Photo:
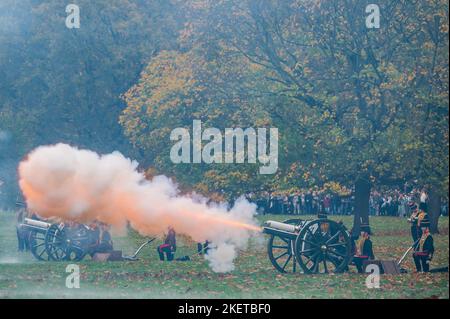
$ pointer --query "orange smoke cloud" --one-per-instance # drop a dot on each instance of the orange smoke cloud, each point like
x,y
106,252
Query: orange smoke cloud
x,y
65,182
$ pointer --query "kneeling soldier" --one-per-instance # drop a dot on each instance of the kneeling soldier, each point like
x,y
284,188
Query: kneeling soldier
x,y
105,243
363,248
425,248
203,248
169,247
100,240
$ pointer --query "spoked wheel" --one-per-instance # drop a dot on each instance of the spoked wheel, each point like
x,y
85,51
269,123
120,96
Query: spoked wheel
x,y
55,242
77,243
323,246
62,243
281,251
37,245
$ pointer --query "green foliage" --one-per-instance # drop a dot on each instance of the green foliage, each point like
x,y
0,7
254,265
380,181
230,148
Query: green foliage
x,y
64,85
349,102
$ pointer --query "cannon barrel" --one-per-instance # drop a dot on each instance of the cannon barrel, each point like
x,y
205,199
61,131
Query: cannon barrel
x,y
36,223
281,229
270,224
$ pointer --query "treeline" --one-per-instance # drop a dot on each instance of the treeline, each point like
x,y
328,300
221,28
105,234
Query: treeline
x,y
353,105
64,85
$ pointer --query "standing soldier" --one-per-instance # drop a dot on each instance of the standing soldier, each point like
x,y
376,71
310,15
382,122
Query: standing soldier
x,y
22,234
295,203
425,248
363,248
416,218
413,220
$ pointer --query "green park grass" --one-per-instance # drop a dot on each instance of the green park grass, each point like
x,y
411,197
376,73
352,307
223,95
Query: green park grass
x,y
254,277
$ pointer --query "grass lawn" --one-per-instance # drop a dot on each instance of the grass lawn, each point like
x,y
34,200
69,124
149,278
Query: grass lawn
x,y
254,277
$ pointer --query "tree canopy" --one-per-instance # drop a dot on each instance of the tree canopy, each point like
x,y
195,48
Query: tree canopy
x,y
64,85
350,102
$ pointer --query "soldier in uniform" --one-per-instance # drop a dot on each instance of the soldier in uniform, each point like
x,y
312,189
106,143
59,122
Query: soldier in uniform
x,y
203,248
325,230
423,253
415,219
322,214
363,248
94,237
105,239
100,238
169,247
22,234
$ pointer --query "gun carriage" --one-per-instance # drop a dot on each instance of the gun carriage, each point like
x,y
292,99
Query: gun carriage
x,y
316,246
57,241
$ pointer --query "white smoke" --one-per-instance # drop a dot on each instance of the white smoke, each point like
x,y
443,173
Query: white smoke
x,y
221,257
71,184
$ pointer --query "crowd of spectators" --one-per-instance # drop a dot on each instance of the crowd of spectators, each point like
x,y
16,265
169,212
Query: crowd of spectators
x,y
382,202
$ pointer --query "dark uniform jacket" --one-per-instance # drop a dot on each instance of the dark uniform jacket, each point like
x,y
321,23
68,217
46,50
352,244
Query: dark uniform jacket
x,y
171,240
425,245
416,219
364,248
105,237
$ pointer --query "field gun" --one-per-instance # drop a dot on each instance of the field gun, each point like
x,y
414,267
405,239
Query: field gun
x,y
315,246
57,241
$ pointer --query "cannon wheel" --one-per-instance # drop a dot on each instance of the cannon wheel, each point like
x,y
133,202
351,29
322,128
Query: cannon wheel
x,y
281,251
55,242
37,245
59,247
319,250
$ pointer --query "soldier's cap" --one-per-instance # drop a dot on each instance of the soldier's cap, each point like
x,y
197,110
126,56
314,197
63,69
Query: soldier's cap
x,y
412,205
423,206
365,228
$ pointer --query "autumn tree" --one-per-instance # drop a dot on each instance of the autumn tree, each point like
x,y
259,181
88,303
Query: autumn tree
x,y
353,105
374,101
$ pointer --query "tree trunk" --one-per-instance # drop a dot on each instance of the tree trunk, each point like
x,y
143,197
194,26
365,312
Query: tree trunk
x,y
362,195
434,210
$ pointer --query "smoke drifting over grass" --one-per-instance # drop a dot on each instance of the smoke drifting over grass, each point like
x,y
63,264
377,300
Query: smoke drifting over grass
x,y
80,185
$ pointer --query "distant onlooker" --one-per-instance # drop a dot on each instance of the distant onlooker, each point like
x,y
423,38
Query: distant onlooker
x,y
327,204
296,204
